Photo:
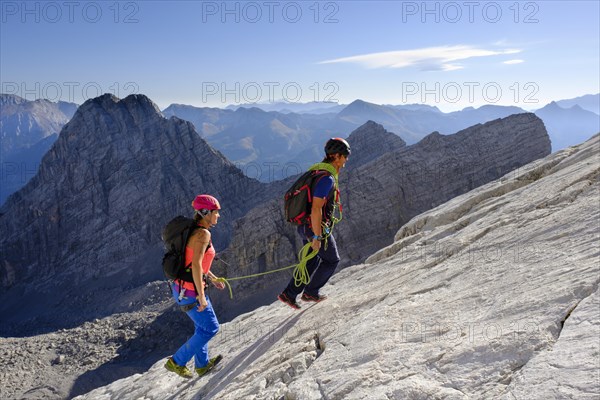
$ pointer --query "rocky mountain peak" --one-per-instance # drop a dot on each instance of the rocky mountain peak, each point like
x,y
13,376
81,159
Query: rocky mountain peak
x,y
432,139
117,173
135,109
370,141
552,106
359,107
366,130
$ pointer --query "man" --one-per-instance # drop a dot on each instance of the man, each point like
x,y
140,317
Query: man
x,y
325,195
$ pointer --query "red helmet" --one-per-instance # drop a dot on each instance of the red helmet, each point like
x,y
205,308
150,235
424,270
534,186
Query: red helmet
x,y
205,202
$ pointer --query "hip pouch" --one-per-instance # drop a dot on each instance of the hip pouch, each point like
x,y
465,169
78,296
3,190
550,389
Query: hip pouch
x,y
188,307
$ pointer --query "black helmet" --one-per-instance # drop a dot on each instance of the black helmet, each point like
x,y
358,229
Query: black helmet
x,y
337,146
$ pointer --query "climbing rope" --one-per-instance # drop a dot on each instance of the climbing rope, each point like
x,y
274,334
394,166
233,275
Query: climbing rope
x,y
301,275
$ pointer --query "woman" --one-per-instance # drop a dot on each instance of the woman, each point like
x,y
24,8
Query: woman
x,y
191,295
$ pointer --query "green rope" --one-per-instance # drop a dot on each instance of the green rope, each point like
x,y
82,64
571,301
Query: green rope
x,y
301,275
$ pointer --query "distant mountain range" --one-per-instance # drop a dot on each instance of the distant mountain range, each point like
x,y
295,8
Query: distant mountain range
x,y
28,129
273,141
568,126
23,123
313,107
265,142
589,102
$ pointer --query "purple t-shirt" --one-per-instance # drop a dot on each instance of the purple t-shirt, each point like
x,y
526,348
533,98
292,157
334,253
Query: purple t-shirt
x,y
324,186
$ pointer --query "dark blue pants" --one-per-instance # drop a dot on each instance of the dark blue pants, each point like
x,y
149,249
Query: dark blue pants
x,y
320,268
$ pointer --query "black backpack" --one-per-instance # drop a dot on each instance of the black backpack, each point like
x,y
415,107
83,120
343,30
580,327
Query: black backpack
x,y
175,236
298,198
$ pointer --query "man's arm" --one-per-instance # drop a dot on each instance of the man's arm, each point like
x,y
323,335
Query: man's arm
x,y
316,216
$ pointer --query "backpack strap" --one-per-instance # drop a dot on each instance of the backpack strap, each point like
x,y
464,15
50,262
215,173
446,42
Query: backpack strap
x,y
320,174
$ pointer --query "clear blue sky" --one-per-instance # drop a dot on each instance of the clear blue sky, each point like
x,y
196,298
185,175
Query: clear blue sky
x,y
214,53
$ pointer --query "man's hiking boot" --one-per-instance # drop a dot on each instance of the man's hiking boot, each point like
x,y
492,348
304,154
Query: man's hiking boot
x,y
211,364
284,298
184,372
310,297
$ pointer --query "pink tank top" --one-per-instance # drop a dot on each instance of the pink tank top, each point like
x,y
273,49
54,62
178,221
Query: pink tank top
x,y
209,256
207,260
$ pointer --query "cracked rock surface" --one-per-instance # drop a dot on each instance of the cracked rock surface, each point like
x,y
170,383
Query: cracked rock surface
x,y
493,294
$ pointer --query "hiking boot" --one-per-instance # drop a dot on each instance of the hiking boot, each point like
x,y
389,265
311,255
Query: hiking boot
x,y
184,372
211,364
284,298
310,297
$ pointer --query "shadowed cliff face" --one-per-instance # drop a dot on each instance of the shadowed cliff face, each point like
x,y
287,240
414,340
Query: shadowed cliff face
x,y
381,195
117,173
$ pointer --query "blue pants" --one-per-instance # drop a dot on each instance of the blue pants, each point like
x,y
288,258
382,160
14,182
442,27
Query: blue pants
x,y
320,267
206,326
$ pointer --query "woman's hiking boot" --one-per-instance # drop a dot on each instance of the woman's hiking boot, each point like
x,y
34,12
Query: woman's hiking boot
x,y
184,372
211,364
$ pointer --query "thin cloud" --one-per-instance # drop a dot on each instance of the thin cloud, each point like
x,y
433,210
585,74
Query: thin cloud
x,y
511,62
443,58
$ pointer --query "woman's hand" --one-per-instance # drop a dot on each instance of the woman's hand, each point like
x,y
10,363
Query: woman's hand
x,y
218,284
202,303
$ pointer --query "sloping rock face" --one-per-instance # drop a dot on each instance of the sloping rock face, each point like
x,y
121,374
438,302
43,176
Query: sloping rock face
x,y
117,173
493,294
382,195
